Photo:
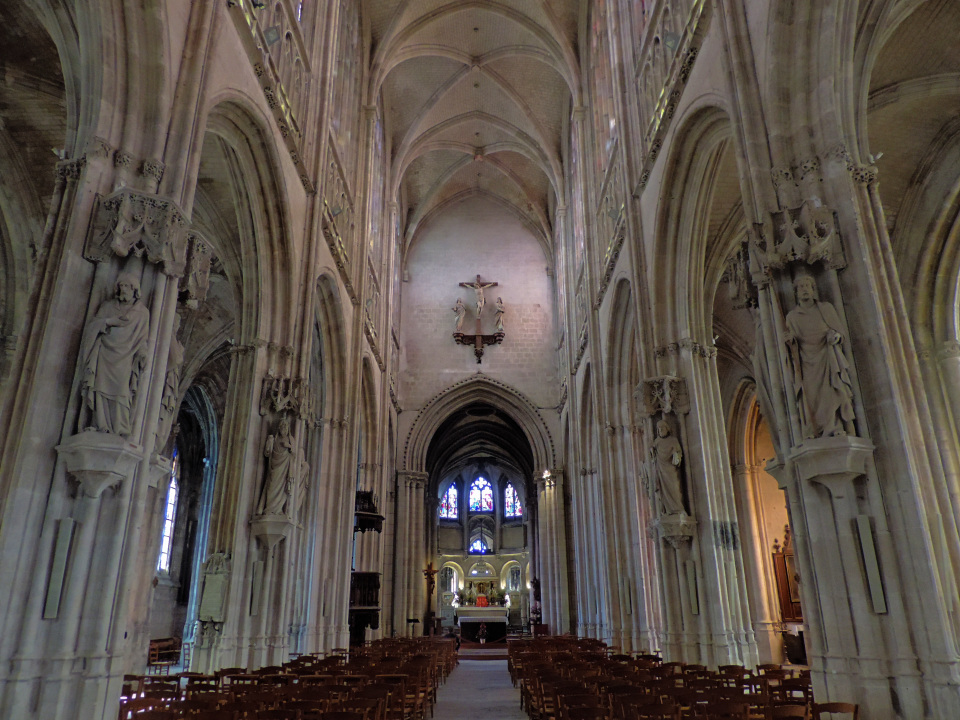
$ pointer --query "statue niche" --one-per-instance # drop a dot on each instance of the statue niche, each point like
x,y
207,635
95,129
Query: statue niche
x,y
821,377
666,454
113,356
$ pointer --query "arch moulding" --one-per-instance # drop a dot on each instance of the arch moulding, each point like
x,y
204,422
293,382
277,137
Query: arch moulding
x,y
470,390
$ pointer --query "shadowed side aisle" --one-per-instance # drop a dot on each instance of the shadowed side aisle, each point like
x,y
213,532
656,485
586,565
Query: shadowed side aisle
x,y
479,690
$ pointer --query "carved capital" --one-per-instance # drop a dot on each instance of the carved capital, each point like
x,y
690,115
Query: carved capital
x,y
667,394
153,168
122,159
413,479
71,169
132,222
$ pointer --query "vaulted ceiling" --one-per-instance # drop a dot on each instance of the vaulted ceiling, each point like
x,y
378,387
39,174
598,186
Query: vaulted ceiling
x,y
476,95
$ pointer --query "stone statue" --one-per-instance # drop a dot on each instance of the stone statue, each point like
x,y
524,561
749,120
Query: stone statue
x,y
498,315
171,386
821,379
461,311
479,288
303,483
281,470
113,355
665,457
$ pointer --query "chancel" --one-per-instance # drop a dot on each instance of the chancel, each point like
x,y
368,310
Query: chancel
x,y
707,251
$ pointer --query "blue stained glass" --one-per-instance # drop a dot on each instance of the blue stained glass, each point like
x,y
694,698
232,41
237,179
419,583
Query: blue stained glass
x,y
478,546
481,496
449,505
511,503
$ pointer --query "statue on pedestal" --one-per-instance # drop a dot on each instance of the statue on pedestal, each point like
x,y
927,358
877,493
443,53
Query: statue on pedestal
x,y
113,355
281,470
171,386
821,378
665,456
461,311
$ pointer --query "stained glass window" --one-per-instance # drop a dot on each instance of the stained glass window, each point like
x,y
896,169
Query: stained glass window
x,y
511,503
478,546
169,518
481,496
449,504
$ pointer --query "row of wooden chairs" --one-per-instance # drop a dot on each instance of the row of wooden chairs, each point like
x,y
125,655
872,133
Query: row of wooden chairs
x,y
580,679
388,680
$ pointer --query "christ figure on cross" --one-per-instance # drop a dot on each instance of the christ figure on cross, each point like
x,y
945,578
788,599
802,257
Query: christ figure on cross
x,y
479,287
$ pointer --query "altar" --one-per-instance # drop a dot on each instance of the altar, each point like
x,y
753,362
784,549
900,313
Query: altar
x,y
469,618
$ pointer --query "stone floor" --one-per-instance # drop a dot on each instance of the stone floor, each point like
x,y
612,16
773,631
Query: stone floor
x,y
479,690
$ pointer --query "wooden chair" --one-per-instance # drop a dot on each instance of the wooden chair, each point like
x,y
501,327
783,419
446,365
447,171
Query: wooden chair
x,y
277,714
586,713
834,708
776,712
728,710
659,711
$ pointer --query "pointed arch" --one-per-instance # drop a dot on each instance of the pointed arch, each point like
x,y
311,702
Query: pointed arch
x,y
478,389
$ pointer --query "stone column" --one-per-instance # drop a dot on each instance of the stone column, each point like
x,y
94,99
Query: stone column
x,y
758,568
77,516
410,555
699,549
870,540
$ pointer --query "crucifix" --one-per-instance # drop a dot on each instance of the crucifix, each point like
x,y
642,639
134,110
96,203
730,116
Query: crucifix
x,y
478,340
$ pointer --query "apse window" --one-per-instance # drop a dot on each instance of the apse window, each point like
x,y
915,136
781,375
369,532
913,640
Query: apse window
x,y
478,547
449,504
169,517
511,503
481,496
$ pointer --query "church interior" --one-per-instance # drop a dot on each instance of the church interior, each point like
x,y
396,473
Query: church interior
x,y
330,322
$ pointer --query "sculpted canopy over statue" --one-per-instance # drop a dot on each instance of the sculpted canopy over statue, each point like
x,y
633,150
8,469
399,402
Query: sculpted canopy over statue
x,y
821,378
666,455
113,355
281,471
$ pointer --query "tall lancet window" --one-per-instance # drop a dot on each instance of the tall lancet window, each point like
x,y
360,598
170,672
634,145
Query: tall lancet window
x,y
481,496
169,516
450,504
511,503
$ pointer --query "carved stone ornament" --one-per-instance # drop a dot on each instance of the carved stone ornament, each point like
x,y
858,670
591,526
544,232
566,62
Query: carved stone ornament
x,y
834,462
271,529
99,460
740,289
196,280
678,529
284,394
665,394
132,222
807,234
